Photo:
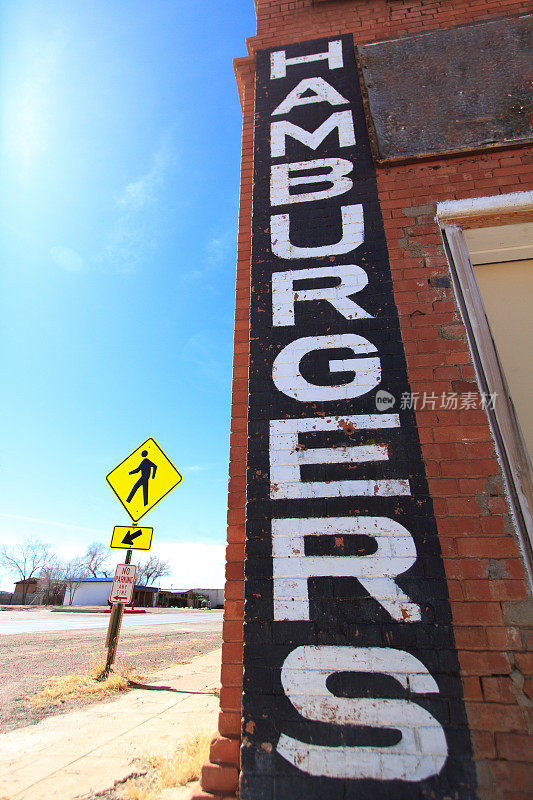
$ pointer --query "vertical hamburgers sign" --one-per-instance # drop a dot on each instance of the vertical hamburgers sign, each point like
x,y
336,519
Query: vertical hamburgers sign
x,y
351,679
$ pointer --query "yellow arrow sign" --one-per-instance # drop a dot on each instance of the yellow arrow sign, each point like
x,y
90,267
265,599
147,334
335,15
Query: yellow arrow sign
x,y
126,537
143,479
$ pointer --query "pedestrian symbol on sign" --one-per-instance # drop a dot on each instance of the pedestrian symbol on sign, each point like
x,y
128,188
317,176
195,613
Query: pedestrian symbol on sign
x,y
143,479
145,468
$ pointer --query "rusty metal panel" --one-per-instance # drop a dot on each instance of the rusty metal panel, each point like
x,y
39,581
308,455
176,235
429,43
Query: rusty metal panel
x,y
446,91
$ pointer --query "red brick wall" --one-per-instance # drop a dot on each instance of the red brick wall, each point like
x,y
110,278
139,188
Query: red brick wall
x,y
221,774
482,560
280,22
493,621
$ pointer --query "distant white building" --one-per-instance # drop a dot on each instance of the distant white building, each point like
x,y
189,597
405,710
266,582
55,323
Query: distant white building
x,y
90,592
96,591
215,596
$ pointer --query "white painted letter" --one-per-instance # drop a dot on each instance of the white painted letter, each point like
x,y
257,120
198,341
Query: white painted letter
x,y
420,753
279,62
289,380
322,93
342,120
395,554
352,236
287,456
281,180
347,279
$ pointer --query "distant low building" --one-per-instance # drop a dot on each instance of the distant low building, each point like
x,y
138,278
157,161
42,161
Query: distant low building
x,y
37,591
32,586
191,598
96,591
169,598
215,597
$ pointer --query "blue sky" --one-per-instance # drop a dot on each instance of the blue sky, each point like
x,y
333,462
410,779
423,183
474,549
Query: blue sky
x,y
120,140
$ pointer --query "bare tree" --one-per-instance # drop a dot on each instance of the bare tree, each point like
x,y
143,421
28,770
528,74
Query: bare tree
x,y
25,561
54,586
74,572
151,570
94,559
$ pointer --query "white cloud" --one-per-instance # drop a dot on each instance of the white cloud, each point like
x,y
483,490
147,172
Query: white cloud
x,y
192,563
67,258
134,230
21,518
220,247
207,357
197,563
217,250
142,191
66,540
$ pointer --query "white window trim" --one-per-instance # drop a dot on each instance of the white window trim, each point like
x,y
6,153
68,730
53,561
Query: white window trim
x,y
512,452
451,210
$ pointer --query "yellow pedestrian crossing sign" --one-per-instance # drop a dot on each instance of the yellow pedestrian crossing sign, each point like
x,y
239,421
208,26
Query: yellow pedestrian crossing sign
x,y
130,537
143,479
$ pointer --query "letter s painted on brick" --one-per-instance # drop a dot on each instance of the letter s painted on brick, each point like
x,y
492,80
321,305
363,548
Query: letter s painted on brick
x,y
422,749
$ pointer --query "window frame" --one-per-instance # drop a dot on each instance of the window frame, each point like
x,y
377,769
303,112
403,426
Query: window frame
x,y
510,446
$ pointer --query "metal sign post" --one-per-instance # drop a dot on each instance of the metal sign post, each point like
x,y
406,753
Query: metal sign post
x,y
154,476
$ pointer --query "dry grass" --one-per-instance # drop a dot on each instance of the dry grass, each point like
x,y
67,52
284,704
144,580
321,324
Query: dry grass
x,y
185,764
134,790
178,769
84,685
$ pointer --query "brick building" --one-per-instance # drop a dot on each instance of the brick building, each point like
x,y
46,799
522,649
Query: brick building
x,y
380,495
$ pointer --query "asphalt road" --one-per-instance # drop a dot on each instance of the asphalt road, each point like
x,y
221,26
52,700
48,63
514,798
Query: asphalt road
x,y
39,620
148,642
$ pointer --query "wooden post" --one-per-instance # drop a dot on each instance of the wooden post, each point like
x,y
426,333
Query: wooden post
x,y
113,631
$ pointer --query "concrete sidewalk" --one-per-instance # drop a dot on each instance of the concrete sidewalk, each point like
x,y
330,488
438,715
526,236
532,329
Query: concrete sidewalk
x,y
83,752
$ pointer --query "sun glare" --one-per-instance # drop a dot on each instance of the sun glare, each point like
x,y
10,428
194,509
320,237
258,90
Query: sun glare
x,y
27,105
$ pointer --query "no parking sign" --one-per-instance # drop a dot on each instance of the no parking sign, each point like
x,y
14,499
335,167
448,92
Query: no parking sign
x,y
123,583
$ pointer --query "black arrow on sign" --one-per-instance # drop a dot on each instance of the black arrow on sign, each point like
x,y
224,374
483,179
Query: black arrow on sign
x,y
131,536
